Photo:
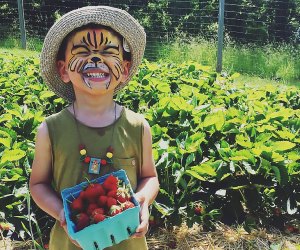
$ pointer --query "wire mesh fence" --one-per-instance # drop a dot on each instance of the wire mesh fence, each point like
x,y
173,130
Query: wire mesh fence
x,y
168,21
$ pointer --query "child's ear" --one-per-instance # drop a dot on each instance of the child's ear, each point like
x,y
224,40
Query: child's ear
x,y
126,67
62,71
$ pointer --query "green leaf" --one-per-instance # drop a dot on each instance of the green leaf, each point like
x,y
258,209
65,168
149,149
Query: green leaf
x,y
6,142
205,168
282,145
12,155
281,174
195,175
243,140
163,87
217,119
46,94
163,209
248,167
189,159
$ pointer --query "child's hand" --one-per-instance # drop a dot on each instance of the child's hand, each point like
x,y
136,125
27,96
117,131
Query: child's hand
x,y
62,220
144,217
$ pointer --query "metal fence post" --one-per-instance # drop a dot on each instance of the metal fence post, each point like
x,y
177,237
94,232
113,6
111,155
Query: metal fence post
x,y
220,35
22,23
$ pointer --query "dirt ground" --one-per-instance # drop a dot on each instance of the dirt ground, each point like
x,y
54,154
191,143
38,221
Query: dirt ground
x,y
224,238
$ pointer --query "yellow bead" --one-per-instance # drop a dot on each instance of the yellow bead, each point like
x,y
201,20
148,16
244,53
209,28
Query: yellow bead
x,y
83,152
109,155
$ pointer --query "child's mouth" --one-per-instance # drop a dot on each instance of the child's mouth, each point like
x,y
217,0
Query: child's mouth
x,y
96,76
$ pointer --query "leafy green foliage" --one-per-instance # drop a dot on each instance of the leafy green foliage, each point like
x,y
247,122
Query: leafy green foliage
x,y
233,150
231,154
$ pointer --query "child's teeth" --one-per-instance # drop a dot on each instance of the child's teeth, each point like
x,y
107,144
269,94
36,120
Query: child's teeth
x,y
95,75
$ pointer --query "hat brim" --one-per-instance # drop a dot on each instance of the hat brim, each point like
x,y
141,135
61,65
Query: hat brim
x,y
117,19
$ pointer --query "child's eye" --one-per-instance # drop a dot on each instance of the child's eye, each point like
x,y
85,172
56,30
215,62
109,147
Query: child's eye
x,y
111,50
107,52
84,53
80,50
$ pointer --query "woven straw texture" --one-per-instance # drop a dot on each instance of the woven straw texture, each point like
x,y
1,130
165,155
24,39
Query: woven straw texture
x,y
119,20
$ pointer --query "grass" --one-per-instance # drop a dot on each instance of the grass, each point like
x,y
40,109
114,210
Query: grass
x,y
32,44
273,61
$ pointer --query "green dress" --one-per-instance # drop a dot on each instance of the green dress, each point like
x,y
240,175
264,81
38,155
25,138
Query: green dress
x,y
68,170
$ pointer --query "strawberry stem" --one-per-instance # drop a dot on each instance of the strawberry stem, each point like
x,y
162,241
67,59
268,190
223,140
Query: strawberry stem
x,y
87,179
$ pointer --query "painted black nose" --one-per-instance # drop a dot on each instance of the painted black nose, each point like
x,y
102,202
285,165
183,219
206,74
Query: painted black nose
x,y
95,59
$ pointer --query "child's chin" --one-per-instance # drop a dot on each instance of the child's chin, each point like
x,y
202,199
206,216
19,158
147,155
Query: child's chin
x,y
97,83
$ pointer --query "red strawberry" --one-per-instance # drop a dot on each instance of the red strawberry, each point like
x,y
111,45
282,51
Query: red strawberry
x,y
111,182
198,210
91,207
111,202
82,194
127,204
82,221
152,221
123,194
77,205
98,210
93,191
112,193
102,200
114,209
98,217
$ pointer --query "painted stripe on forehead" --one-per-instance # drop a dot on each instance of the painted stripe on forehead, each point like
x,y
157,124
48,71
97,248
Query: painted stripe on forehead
x,y
95,39
84,41
89,39
101,38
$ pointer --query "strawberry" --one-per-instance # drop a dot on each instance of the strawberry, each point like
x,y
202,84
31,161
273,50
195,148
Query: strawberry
x,y
93,191
110,183
127,204
82,194
114,210
102,200
77,205
198,210
123,194
112,193
98,210
91,207
4,226
111,202
98,217
152,221
82,221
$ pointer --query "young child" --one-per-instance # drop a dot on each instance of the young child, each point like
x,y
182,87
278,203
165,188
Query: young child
x,y
88,56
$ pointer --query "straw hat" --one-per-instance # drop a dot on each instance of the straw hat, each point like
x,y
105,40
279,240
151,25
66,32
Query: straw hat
x,y
119,20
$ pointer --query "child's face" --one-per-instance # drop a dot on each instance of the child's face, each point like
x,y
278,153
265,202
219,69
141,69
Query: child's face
x,y
94,61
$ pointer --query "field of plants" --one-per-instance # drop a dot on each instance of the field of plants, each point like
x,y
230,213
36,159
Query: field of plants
x,y
224,153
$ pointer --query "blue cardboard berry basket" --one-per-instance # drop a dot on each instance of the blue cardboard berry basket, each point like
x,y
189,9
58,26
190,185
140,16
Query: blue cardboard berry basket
x,y
108,232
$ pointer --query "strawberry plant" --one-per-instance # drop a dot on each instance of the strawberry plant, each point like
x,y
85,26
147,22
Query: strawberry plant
x,y
230,151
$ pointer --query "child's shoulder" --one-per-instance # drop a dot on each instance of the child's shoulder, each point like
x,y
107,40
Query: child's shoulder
x,y
61,115
133,118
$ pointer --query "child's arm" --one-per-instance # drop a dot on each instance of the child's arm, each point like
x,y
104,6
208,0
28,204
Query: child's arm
x,y
148,185
41,176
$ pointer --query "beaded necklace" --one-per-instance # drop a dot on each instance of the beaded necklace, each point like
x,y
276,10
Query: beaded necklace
x,y
94,163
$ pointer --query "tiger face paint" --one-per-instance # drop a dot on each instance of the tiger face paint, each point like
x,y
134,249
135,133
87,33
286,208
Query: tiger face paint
x,y
96,56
